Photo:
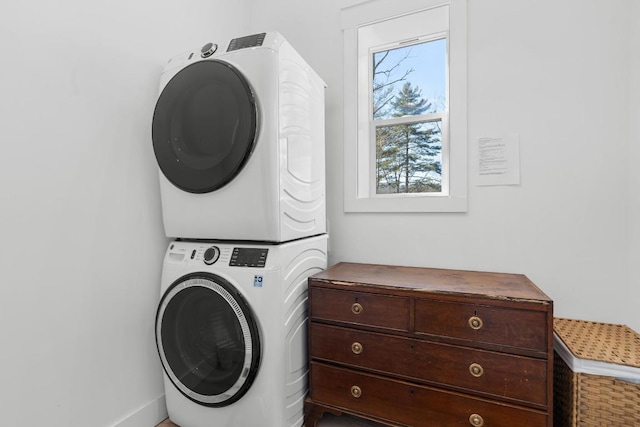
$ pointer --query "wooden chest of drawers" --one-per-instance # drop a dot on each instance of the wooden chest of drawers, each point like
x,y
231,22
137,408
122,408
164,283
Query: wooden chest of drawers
x,y
408,346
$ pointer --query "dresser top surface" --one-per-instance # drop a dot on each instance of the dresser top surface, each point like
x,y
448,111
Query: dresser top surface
x,y
492,285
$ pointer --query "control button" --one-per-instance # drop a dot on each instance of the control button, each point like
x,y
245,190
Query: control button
x,y
211,255
208,50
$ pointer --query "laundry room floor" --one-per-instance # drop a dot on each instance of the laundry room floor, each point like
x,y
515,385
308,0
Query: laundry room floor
x,y
327,421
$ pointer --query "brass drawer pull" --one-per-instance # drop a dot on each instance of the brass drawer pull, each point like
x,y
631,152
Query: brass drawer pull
x,y
476,370
476,420
475,322
356,391
356,308
356,347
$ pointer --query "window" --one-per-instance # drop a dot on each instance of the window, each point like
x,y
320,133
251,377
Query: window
x,y
405,107
405,123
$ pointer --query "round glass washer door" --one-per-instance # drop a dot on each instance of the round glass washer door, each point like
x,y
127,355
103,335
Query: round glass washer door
x,y
205,126
208,339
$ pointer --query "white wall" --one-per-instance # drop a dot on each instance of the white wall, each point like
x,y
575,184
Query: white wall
x,y
82,240
634,164
541,69
557,74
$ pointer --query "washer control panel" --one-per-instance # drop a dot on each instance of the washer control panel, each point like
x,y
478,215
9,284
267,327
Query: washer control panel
x,y
217,254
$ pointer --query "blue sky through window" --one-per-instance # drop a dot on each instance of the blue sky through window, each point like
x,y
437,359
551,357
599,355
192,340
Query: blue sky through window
x,y
428,62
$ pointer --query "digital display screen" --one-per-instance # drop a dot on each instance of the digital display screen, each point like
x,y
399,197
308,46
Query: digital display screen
x,y
247,41
248,257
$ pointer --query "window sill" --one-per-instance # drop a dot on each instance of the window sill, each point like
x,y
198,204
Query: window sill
x,y
405,203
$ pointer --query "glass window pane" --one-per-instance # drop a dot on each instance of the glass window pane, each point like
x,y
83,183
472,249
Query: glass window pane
x,y
409,158
410,80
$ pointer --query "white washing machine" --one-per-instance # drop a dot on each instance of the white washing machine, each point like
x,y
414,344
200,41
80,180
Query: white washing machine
x,y
231,331
238,134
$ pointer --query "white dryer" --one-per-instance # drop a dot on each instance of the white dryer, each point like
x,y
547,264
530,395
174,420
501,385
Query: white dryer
x,y
238,134
231,331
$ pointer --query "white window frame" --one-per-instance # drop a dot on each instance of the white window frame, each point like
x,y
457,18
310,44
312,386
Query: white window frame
x,y
359,152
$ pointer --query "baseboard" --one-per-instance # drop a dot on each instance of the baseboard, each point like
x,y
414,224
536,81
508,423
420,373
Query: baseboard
x,y
149,415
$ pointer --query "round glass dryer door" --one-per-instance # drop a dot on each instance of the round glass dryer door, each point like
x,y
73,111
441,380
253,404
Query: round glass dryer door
x,y
204,126
207,339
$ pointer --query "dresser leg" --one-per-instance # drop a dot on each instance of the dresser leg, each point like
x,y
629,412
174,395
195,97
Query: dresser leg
x,y
313,413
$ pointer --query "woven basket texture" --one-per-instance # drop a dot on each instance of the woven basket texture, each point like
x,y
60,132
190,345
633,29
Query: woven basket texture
x,y
603,342
585,400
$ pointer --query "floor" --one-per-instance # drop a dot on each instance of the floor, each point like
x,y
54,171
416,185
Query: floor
x,y
327,421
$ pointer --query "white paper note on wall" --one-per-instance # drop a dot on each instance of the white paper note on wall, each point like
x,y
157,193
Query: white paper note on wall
x,y
498,161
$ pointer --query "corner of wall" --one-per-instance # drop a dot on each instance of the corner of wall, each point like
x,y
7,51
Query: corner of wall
x,y
148,415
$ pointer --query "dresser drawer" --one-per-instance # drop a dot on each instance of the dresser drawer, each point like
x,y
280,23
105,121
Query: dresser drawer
x,y
414,405
383,311
492,373
482,323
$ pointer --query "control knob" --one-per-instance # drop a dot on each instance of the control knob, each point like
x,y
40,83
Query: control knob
x,y
211,255
208,50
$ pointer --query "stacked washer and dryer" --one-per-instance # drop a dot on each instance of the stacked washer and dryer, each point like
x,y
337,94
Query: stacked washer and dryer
x,y
238,134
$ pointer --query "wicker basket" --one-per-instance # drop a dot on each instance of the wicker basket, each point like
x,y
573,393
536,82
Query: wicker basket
x,y
596,374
